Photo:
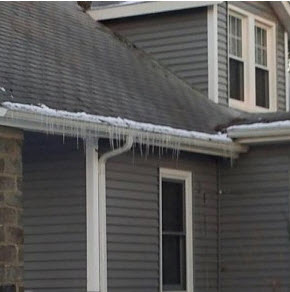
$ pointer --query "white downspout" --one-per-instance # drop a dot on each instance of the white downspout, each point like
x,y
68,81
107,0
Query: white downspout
x,y
102,208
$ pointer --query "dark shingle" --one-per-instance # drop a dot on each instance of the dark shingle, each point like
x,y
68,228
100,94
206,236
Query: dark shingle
x,y
53,53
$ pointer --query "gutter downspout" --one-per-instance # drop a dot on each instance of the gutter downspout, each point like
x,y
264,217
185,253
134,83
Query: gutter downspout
x,y
102,208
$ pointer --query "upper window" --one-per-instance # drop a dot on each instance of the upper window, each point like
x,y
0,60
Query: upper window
x,y
175,231
261,70
252,62
236,58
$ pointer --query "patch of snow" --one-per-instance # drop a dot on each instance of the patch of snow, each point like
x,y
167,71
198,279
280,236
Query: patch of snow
x,y
261,126
116,122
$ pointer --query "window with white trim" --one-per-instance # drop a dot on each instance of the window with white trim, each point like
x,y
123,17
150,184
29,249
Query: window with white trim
x,y
261,67
252,61
236,61
176,273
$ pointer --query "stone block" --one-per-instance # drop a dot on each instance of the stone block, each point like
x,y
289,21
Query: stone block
x,y
8,215
8,254
7,183
14,235
13,274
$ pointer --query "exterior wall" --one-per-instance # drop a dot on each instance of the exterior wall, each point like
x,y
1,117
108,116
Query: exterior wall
x,y
177,40
262,9
133,221
223,53
254,225
54,215
11,231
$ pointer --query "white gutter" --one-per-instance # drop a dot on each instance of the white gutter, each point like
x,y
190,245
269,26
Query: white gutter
x,y
141,8
261,133
102,208
74,124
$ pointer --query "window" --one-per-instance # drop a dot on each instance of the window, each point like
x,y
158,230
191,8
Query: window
x,y
175,231
236,58
261,70
173,235
252,61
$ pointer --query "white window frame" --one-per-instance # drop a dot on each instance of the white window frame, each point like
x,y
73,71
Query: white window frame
x,y
234,102
186,176
249,22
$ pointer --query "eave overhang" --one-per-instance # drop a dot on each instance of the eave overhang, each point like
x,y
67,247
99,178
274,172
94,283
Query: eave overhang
x,y
67,126
143,8
282,9
260,133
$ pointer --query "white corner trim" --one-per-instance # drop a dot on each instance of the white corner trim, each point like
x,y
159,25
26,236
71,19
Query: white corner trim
x,y
286,71
142,8
212,39
93,263
185,176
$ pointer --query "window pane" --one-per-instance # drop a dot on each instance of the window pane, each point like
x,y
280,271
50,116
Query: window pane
x,y
236,79
262,88
172,206
261,46
235,36
173,262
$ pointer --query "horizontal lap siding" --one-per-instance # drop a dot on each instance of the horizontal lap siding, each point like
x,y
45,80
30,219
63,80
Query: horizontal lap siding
x,y
255,242
133,222
54,216
177,40
264,9
222,54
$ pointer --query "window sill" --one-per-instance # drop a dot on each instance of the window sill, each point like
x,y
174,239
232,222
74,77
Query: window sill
x,y
241,105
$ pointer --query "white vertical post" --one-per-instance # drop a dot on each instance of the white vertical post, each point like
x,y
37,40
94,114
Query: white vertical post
x,y
286,71
93,263
212,28
250,94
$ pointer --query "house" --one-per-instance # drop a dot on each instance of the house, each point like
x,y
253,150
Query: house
x,y
144,147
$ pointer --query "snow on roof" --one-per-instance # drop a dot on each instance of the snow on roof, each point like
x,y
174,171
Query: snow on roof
x,y
116,122
261,126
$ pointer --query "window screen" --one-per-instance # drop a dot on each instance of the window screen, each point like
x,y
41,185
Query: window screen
x,y
236,67
173,236
262,72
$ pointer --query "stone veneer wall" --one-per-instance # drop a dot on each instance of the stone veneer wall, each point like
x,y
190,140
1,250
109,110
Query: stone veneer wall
x,y
11,230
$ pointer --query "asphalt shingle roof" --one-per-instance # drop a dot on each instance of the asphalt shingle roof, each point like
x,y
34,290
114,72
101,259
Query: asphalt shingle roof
x,y
54,54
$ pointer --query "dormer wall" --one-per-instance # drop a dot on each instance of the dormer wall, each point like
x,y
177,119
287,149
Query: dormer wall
x,y
178,40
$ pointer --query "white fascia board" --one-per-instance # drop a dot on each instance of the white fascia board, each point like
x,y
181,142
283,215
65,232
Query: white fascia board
x,y
142,8
83,129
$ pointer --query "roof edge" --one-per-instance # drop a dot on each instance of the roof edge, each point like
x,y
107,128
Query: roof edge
x,y
143,8
257,133
282,9
80,125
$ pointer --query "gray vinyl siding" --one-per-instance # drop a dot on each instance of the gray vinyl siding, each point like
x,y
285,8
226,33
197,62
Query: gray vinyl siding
x,y
262,9
254,230
222,54
54,215
133,221
177,40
